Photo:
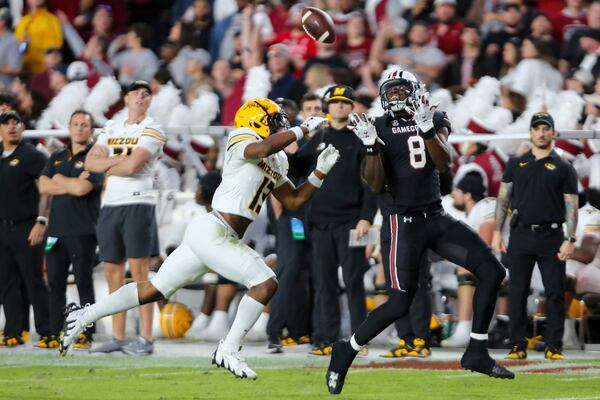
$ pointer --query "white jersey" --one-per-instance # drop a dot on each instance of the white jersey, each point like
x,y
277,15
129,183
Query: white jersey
x,y
122,138
588,223
482,212
247,183
448,205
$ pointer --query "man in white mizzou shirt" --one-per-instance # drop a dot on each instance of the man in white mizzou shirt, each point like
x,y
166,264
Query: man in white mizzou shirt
x,y
254,166
127,231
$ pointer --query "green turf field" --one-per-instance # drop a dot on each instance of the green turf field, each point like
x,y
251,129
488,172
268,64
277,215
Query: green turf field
x,y
49,377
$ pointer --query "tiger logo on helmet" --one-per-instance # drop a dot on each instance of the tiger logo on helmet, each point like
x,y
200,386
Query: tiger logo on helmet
x,y
263,116
398,91
175,320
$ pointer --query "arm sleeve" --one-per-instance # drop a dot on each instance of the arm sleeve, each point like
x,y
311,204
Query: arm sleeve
x,y
152,139
509,171
440,119
49,169
570,184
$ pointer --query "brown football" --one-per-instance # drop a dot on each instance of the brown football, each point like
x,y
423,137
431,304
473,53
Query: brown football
x,y
318,25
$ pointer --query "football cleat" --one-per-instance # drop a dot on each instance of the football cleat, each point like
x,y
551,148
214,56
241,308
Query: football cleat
x,y
11,341
233,362
341,358
84,342
517,353
73,326
323,350
553,354
397,352
482,362
418,349
275,346
47,342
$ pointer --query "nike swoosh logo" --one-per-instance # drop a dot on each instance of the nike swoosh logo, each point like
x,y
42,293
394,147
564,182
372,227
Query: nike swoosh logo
x,y
522,164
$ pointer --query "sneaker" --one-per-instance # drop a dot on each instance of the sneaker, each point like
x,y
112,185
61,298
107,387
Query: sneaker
x,y
517,353
341,358
140,347
456,340
47,342
554,354
25,336
233,362
109,346
477,359
11,341
84,342
275,346
398,351
322,350
290,341
73,326
419,349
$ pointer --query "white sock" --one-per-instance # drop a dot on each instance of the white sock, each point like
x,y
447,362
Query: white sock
x,y
261,323
247,313
354,344
218,320
463,328
479,336
123,299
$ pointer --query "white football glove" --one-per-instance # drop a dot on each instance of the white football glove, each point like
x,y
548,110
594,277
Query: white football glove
x,y
363,128
314,123
327,159
422,111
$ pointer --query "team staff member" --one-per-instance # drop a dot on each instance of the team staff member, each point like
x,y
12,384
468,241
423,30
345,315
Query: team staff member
x,y
72,224
541,188
23,218
127,229
406,171
343,203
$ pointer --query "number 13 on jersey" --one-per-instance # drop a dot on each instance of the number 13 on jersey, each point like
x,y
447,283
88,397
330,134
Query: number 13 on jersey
x,y
261,194
416,149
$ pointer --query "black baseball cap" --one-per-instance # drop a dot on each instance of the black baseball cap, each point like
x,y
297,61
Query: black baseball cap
x,y
8,115
542,118
339,92
138,85
472,183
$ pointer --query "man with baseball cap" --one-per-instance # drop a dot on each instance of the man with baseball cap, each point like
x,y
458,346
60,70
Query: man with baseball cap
x,y
23,218
344,204
541,189
125,151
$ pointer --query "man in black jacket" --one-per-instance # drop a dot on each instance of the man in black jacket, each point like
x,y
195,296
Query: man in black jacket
x,y
343,203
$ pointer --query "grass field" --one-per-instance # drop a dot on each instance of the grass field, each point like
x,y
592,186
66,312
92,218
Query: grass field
x,y
34,375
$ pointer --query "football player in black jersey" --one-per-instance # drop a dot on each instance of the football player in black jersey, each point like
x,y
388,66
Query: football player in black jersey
x,y
407,149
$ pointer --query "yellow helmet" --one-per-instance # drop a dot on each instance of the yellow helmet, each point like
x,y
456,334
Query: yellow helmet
x,y
263,116
175,320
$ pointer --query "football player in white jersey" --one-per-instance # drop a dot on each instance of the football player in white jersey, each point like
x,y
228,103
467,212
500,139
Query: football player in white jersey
x,y
469,197
127,231
254,166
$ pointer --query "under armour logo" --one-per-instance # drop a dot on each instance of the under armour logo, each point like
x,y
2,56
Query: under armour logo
x,y
407,219
333,378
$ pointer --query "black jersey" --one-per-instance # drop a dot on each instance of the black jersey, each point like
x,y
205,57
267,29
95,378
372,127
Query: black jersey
x,y
412,182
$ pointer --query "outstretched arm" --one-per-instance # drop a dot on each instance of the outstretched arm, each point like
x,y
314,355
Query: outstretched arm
x,y
294,198
364,128
277,142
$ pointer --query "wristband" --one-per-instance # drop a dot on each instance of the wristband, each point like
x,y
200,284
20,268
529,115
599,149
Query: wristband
x,y
314,180
42,220
298,132
430,134
372,150
571,239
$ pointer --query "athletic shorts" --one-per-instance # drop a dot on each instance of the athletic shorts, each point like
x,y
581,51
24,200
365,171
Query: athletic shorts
x,y
210,244
128,231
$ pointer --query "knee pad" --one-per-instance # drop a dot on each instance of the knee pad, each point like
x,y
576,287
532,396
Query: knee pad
x,y
466,280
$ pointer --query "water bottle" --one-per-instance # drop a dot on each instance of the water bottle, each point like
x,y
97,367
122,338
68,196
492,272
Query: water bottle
x,y
447,326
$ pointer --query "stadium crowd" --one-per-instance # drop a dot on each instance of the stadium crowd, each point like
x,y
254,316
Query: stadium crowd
x,y
490,64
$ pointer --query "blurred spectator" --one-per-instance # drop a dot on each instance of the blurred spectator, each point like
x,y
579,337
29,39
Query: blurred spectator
x,y
357,43
571,50
471,64
10,58
512,19
362,104
40,82
589,40
317,77
541,28
30,103
301,46
7,102
36,37
222,80
137,62
327,54
570,17
447,29
183,36
511,55
201,22
536,71
283,82
580,81
420,57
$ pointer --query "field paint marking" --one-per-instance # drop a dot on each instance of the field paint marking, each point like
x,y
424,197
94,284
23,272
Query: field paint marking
x,y
567,398
580,378
88,377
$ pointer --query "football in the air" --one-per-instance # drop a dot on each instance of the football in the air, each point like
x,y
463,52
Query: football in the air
x,y
318,25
